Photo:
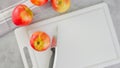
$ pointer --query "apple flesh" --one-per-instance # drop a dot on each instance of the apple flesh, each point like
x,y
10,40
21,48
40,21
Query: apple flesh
x,y
39,2
40,41
60,6
22,15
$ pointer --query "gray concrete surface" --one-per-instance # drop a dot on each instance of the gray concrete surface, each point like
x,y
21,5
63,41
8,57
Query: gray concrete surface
x,y
9,52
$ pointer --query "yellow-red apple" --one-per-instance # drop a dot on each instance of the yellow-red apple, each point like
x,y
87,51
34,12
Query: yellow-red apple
x,y
40,41
39,2
22,15
60,5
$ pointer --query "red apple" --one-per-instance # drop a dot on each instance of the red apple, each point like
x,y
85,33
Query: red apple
x,y
40,41
22,15
39,2
60,5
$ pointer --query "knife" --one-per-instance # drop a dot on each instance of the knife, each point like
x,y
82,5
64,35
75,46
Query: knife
x,y
53,45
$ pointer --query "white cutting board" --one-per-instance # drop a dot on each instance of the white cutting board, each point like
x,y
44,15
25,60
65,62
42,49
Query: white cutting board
x,y
86,39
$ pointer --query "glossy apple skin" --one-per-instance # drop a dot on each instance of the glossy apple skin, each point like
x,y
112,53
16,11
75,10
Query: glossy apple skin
x,y
61,6
22,15
40,41
39,2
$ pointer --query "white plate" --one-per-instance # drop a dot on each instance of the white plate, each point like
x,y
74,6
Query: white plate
x,y
92,27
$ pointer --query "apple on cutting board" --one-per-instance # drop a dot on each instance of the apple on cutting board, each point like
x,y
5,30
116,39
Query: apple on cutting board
x,y
40,41
22,15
